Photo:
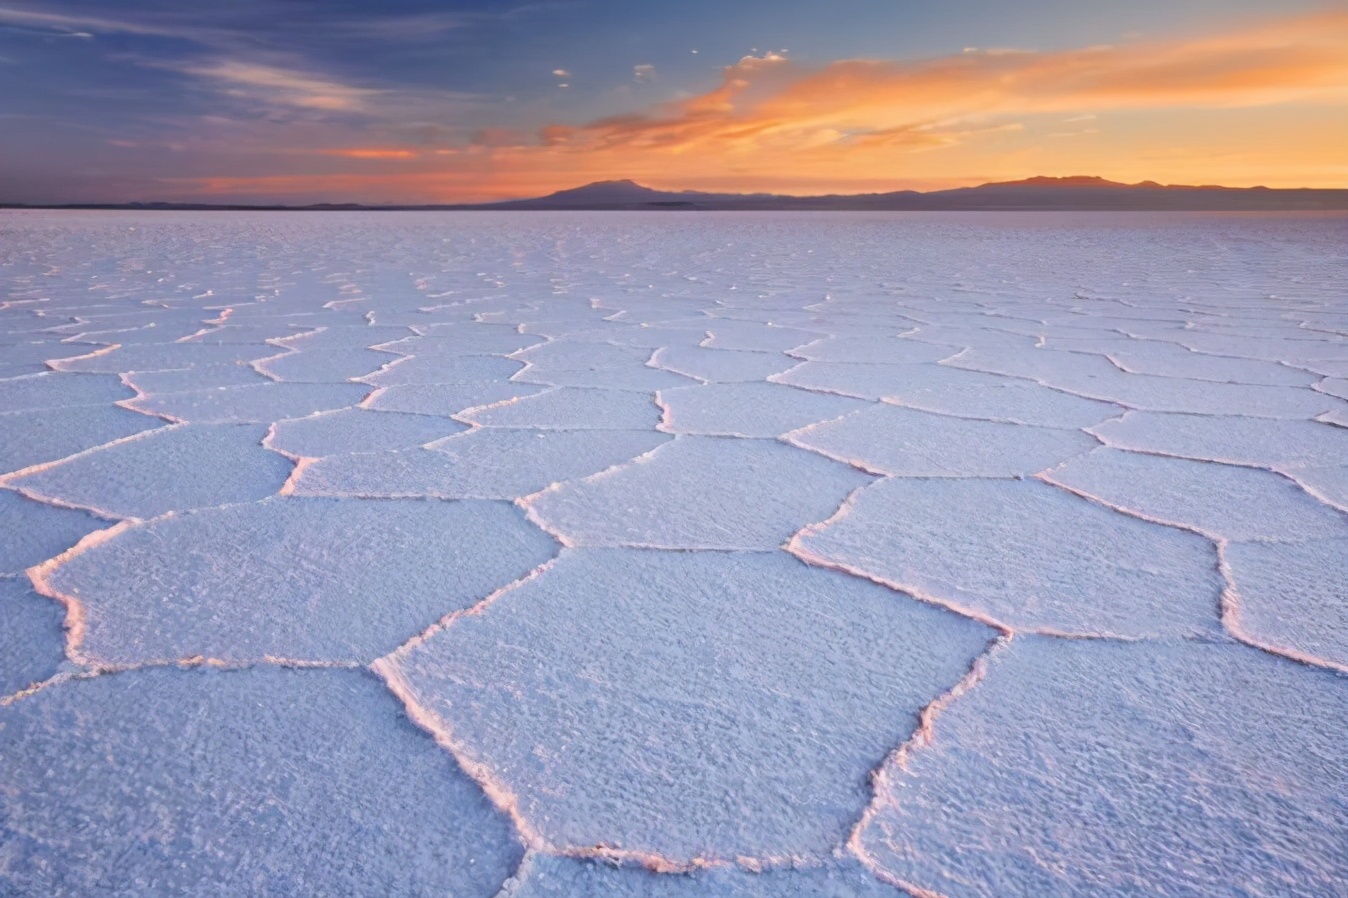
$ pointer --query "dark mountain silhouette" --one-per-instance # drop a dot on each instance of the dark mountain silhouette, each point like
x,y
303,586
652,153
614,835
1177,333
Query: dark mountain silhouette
x,y
1081,193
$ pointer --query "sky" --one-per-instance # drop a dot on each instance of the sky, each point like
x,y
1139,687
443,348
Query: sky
x,y
299,101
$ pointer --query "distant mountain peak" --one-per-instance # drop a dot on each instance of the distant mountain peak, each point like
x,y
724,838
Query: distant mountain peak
x,y
614,191
1068,181
1041,193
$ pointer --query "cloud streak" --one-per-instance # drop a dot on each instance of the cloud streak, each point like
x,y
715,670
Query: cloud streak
x,y
271,115
280,86
769,102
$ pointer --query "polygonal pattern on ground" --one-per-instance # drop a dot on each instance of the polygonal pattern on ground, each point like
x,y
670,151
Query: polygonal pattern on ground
x,y
712,698
584,719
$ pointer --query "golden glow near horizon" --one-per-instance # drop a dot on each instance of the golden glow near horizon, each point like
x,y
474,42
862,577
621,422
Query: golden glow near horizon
x,y
1260,104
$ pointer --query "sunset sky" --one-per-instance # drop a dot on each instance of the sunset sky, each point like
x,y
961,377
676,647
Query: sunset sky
x,y
417,101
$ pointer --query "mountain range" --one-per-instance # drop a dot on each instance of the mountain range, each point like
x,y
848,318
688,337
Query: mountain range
x,y
1076,193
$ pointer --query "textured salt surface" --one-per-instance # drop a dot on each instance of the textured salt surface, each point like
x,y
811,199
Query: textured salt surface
x,y
720,365
1085,767
546,876
263,404
445,399
357,430
572,408
783,555
31,642
699,493
35,531
37,437
249,782
1295,595
908,443
480,464
586,720
170,469
324,581
1026,554
749,409
1222,501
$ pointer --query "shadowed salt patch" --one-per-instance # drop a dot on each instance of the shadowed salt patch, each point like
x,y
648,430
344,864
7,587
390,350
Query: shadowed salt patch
x,y
1019,359
750,409
252,782
960,337
1082,768
1294,596
677,704
53,389
1172,360
873,349
483,464
30,356
31,438
1334,386
167,356
547,876
1196,397
447,399
150,334
566,364
573,408
261,404
1231,439
358,430
32,643
727,334
462,339
233,334
649,336
1338,417
324,366
418,370
170,469
1220,500
864,381
345,338
701,493
1294,349
561,322
185,380
1328,483
1029,555
920,444
971,394
1095,377
722,365
33,531
326,580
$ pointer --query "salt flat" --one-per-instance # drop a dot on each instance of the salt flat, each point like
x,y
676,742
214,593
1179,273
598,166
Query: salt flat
x,y
673,554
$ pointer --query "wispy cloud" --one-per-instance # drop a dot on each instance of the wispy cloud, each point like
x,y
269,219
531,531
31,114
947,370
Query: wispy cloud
x,y
399,29
234,24
82,24
769,101
269,114
372,153
279,86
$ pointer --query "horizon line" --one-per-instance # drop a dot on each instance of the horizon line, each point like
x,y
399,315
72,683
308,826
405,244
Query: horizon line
x,y
1047,182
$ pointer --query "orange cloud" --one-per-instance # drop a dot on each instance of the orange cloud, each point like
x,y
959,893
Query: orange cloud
x,y
1261,105
770,102
372,153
